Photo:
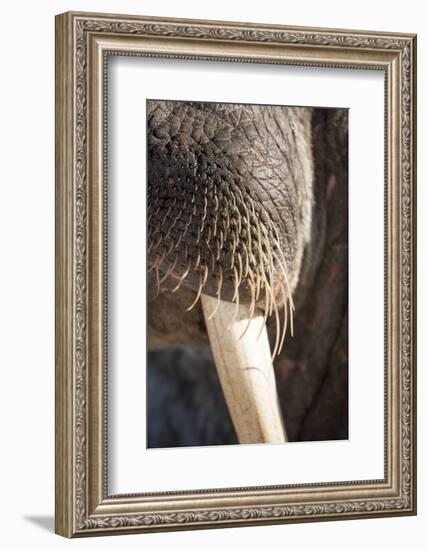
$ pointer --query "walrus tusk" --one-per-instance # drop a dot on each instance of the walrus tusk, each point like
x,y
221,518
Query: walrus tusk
x,y
245,371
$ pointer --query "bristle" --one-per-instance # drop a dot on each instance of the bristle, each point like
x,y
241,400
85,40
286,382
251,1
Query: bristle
x,y
221,236
277,317
183,276
218,292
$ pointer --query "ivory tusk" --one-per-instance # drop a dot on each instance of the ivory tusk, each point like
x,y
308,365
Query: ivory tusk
x,y
245,371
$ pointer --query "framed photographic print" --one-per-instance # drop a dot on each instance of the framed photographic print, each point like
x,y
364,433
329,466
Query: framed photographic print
x,y
235,274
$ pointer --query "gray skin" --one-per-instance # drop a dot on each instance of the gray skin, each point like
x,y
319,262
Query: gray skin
x,y
229,186
290,166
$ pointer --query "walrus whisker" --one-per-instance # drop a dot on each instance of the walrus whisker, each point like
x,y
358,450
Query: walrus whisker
x,y
170,269
285,317
276,345
199,292
234,234
183,276
218,292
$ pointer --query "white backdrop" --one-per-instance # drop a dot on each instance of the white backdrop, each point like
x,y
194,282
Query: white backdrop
x,y
27,274
132,467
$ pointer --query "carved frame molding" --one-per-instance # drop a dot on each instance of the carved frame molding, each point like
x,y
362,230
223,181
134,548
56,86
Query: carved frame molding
x,y
83,43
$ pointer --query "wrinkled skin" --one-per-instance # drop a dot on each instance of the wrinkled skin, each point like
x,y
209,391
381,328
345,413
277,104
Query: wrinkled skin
x,y
223,181
291,165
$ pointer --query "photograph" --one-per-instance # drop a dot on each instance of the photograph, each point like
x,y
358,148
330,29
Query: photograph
x,y
247,255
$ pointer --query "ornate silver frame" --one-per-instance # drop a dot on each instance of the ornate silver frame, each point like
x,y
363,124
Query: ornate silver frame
x,y
83,505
